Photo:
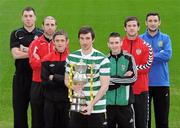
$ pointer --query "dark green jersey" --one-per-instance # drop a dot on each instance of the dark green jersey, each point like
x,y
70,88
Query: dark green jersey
x,y
120,90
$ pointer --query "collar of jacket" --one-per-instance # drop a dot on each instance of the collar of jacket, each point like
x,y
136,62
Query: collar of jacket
x,y
157,34
135,40
116,56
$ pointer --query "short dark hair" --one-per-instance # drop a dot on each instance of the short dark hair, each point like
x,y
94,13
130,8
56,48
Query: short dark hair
x,y
114,34
131,18
60,32
153,14
28,9
85,30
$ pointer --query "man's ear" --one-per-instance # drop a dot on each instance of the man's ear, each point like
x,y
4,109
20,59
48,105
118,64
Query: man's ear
x,y
125,29
159,23
121,43
93,41
42,26
67,41
146,23
108,44
138,28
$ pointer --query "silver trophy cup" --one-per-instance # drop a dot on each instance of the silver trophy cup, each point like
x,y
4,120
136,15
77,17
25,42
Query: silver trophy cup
x,y
78,99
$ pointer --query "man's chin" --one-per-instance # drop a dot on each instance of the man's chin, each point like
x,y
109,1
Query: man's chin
x,y
152,30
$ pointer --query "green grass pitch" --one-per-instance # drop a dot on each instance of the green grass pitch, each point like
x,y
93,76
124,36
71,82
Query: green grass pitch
x,y
104,16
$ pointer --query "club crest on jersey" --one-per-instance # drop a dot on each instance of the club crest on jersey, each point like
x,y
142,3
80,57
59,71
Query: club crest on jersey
x,y
123,67
138,51
160,44
35,37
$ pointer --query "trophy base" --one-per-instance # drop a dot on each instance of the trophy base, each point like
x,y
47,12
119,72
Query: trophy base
x,y
77,107
77,103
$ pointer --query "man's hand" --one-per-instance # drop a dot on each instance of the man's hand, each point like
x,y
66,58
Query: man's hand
x,y
23,48
86,110
36,56
128,73
51,77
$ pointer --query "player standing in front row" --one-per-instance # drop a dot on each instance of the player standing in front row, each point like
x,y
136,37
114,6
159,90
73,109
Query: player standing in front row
x,y
56,104
120,96
94,117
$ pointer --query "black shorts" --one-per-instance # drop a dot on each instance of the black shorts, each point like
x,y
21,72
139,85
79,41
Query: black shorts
x,y
95,120
37,105
121,116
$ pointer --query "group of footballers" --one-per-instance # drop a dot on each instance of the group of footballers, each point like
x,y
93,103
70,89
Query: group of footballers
x,y
123,85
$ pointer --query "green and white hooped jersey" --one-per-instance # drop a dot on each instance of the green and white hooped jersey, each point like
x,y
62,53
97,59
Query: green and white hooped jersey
x,y
101,67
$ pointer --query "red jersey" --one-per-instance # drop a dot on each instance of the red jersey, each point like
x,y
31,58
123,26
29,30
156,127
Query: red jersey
x,y
143,55
41,47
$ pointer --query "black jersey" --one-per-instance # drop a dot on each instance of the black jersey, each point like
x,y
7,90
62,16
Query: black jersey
x,y
22,36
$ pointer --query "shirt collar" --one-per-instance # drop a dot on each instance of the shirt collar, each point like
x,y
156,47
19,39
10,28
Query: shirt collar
x,y
33,31
147,33
88,55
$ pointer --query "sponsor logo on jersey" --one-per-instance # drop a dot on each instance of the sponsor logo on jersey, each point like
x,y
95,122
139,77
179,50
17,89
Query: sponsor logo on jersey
x,y
35,37
51,65
21,37
123,67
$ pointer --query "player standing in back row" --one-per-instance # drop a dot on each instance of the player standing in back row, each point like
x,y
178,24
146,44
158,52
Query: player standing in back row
x,y
19,43
143,55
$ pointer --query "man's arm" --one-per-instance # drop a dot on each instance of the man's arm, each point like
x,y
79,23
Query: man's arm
x,y
18,51
34,58
165,54
130,76
147,59
66,79
104,81
18,54
45,73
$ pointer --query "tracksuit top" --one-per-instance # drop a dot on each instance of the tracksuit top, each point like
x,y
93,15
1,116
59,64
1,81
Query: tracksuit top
x,y
161,44
54,64
41,46
143,55
120,88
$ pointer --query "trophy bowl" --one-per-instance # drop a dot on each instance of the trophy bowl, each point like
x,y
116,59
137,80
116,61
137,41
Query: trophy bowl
x,y
79,77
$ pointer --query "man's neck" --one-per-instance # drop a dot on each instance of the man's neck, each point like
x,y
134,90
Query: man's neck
x,y
29,29
132,37
115,53
88,51
48,36
152,33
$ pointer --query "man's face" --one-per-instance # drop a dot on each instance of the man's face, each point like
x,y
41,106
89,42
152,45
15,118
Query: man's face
x,y
49,26
60,43
85,41
153,23
114,45
132,28
28,18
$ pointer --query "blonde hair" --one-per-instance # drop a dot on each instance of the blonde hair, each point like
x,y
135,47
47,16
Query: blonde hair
x,y
49,18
